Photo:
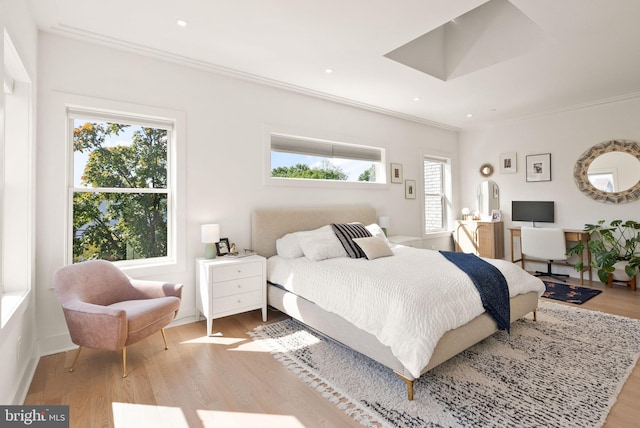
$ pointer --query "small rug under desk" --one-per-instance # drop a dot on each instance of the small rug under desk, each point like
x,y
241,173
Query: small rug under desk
x,y
569,293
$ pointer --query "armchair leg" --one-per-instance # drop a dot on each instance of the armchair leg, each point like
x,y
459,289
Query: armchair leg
x,y
164,337
124,362
73,364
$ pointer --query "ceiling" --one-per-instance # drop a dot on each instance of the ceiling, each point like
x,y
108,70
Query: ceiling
x,y
585,52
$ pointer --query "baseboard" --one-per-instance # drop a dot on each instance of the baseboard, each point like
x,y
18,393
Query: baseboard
x,y
27,377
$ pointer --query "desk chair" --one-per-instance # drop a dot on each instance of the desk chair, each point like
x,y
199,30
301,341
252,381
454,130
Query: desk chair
x,y
545,244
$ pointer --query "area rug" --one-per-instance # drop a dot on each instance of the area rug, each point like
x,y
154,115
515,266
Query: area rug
x,y
565,370
569,293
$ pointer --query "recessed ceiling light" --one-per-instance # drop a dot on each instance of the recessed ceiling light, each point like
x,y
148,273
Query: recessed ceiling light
x,y
416,99
328,70
181,23
469,115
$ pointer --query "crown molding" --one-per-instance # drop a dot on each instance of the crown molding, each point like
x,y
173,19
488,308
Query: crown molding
x,y
91,37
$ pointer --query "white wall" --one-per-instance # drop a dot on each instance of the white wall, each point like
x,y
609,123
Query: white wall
x,y
225,136
566,136
18,353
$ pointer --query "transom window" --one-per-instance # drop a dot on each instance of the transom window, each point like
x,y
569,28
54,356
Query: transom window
x,y
120,193
311,159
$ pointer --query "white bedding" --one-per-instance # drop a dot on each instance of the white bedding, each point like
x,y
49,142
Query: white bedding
x,y
408,301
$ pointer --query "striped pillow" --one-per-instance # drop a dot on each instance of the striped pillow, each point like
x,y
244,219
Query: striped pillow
x,y
346,232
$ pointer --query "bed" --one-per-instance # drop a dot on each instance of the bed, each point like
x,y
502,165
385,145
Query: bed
x,y
268,225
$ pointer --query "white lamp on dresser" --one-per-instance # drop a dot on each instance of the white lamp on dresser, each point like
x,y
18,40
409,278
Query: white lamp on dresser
x,y
209,235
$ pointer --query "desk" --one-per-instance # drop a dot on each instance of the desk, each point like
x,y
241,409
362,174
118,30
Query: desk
x,y
571,235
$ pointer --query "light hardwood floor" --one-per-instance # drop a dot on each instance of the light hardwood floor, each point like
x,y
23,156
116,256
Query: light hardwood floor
x,y
227,380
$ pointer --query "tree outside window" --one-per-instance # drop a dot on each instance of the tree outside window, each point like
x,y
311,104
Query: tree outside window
x,y
120,194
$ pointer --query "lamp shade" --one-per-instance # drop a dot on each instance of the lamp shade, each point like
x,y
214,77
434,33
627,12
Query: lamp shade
x,y
210,233
383,221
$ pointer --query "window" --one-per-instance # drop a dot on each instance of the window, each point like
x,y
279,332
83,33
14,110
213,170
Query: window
x,y
120,191
435,194
312,159
17,182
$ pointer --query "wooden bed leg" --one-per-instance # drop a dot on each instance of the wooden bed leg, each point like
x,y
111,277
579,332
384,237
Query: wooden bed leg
x,y
409,383
535,315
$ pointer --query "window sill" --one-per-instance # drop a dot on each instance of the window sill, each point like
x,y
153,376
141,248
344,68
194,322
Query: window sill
x,y
435,235
11,302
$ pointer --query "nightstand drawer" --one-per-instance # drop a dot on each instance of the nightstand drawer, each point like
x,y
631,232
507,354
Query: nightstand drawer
x,y
235,271
237,286
237,302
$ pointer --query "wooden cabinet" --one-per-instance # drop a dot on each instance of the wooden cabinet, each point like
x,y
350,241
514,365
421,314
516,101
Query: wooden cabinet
x,y
483,238
228,286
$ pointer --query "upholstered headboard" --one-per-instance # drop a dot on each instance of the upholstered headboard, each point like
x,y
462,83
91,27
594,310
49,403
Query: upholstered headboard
x,y
269,224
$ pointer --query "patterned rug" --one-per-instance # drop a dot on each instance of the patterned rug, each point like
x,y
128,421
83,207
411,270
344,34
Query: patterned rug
x,y
568,292
565,370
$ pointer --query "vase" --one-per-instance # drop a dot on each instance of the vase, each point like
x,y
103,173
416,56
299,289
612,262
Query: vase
x,y
619,274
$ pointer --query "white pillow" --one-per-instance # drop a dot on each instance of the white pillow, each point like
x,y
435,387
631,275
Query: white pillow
x,y
375,230
289,247
373,247
321,244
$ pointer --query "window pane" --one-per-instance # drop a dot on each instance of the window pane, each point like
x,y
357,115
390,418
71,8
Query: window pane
x,y
434,195
119,226
117,155
305,158
433,213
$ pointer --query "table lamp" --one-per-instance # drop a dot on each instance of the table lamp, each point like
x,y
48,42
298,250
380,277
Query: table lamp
x,y
383,222
209,235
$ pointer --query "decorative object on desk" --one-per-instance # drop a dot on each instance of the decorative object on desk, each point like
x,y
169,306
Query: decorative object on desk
x,y
486,170
496,215
609,244
222,247
409,189
396,173
508,163
232,249
383,222
487,198
210,235
569,293
603,159
539,167
512,373
466,214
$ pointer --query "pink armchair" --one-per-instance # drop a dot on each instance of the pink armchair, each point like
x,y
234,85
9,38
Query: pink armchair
x,y
105,309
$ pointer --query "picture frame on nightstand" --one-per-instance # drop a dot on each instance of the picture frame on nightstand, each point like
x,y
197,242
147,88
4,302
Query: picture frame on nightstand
x,y
222,247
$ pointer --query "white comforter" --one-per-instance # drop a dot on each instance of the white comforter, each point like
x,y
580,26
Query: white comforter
x,y
408,301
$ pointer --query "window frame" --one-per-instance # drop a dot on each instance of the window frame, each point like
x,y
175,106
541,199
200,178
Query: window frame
x,y
445,195
99,109
329,140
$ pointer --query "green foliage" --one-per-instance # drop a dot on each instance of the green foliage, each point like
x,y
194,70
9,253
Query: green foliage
x,y
121,226
619,241
325,172
368,175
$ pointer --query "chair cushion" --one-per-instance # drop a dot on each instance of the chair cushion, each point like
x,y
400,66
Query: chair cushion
x,y
145,315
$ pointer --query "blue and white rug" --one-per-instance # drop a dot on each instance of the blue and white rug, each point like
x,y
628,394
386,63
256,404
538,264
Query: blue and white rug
x,y
565,370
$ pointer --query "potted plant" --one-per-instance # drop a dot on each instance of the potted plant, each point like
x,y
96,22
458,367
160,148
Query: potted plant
x,y
613,247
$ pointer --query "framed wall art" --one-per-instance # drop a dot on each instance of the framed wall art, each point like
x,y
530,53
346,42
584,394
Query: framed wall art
x,y
396,173
508,163
410,189
539,167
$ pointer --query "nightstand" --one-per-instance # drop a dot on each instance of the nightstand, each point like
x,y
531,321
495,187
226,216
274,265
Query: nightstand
x,y
409,241
228,286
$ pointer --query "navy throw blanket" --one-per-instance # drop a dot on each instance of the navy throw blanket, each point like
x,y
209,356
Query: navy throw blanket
x,y
490,283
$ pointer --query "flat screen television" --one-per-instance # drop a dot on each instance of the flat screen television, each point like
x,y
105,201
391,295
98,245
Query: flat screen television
x,y
534,211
